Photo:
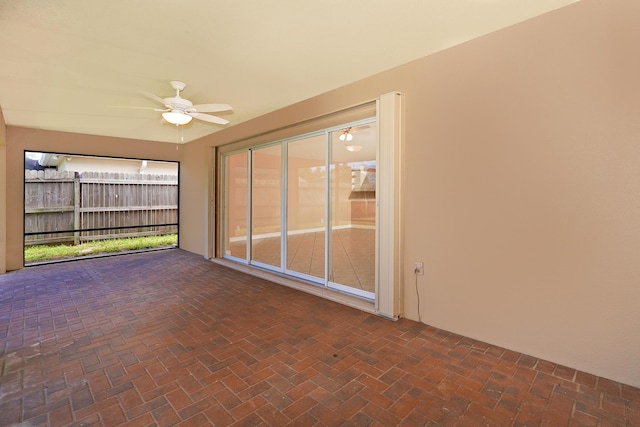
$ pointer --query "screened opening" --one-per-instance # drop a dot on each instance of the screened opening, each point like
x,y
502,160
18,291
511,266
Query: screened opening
x,y
77,206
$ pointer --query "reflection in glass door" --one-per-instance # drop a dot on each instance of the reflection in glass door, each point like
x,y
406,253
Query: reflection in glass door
x,y
353,210
306,207
266,222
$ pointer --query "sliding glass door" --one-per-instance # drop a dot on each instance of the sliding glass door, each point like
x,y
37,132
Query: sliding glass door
x,y
235,206
311,210
353,210
266,201
307,207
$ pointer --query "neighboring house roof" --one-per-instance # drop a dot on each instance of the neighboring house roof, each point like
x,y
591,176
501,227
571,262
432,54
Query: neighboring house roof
x,y
32,164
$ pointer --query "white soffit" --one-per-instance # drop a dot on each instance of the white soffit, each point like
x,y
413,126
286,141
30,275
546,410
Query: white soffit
x,y
70,65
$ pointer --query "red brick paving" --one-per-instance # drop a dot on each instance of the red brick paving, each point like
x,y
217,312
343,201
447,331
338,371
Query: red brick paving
x,y
168,338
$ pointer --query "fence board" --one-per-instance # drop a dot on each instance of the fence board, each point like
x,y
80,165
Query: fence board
x,y
105,200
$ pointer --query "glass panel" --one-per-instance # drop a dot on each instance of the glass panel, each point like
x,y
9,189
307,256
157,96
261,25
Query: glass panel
x,y
235,209
307,206
353,207
266,205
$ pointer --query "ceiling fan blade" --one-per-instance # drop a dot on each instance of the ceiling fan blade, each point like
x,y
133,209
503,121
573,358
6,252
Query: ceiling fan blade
x,y
208,118
154,97
211,108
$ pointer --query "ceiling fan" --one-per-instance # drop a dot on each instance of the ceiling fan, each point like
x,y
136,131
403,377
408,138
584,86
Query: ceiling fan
x,y
180,111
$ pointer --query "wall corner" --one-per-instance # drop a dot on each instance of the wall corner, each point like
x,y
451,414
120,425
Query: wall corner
x,y
3,194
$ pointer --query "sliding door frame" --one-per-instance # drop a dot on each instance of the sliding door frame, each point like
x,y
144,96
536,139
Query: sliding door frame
x,y
388,248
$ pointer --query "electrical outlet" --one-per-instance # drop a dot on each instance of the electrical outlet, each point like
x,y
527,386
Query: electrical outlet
x,y
418,268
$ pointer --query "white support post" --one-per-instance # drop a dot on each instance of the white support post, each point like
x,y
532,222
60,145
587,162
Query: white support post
x,y
388,199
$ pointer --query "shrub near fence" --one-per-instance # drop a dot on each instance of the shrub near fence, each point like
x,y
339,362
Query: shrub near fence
x,y
63,200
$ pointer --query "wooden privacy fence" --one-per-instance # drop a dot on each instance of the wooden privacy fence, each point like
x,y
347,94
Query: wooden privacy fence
x,y
66,207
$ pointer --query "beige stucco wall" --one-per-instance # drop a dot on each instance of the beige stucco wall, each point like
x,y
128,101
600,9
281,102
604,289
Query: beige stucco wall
x,y
3,194
21,139
194,200
522,177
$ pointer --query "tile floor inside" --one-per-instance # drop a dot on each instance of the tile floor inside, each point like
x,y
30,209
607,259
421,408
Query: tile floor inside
x,y
351,260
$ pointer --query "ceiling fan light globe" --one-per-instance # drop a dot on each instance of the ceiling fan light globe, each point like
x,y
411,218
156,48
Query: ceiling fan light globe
x,y
177,118
353,148
345,135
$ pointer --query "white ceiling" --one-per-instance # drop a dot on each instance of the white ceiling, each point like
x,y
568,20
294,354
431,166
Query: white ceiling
x,y
72,65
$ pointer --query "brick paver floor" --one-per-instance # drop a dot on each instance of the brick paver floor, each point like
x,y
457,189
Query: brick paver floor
x,y
169,338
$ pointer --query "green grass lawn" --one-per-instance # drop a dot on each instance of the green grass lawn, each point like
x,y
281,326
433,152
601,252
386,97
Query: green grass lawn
x,y
47,253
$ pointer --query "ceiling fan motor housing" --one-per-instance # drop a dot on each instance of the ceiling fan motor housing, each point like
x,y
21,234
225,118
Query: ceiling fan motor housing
x,y
177,103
